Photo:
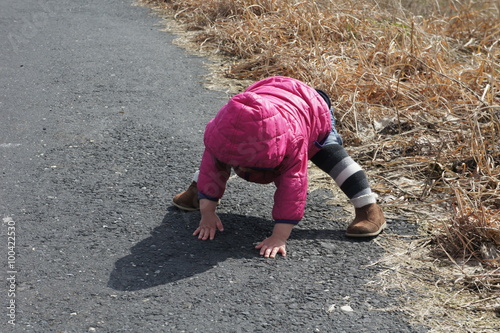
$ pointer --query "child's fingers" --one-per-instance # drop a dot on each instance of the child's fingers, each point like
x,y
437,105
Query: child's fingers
x,y
212,234
277,250
205,233
220,226
264,250
200,232
271,252
208,234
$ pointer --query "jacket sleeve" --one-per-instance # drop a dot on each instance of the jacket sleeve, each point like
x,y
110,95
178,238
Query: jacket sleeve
x,y
213,177
291,190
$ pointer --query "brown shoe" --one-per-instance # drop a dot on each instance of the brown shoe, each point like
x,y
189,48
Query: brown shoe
x,y
369,222
187,200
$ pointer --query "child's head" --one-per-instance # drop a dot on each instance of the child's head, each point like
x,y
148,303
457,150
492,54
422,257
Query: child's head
x,y
249,132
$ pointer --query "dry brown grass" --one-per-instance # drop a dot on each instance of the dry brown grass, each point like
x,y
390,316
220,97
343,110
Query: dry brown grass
x,y
416,88
448,300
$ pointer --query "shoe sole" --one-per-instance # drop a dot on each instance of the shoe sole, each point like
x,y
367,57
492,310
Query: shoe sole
x,y
187,209
372,234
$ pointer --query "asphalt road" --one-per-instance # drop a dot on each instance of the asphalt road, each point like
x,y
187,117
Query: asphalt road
x,y
101,121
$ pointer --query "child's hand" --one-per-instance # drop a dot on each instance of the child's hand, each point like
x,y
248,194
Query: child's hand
x,y
210,222
271,246
275,244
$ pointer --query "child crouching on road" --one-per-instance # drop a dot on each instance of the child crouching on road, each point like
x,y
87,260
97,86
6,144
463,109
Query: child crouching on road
x,y
267,134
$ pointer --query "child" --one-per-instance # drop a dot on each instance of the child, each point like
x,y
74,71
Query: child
x,y
267,134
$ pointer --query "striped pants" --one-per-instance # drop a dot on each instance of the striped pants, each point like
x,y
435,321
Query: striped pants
x,y
348,175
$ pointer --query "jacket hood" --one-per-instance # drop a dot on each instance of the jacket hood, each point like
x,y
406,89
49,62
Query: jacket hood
x,y
248,131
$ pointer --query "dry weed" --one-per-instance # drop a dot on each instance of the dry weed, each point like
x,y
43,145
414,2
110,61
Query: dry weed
x,y
472,232
454,299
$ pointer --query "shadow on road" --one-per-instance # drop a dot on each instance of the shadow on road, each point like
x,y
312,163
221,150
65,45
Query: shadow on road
x,y
172,253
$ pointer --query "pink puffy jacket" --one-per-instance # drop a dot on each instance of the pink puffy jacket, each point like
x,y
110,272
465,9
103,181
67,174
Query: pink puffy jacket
x,y
273,128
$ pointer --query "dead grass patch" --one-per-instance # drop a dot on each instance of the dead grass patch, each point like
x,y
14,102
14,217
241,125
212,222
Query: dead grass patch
x,y
445,295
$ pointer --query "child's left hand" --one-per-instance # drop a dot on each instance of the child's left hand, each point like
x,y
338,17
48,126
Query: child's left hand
x,y
275,244
271,246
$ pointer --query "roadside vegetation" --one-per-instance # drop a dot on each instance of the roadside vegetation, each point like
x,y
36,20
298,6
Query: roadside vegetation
x,y
416,89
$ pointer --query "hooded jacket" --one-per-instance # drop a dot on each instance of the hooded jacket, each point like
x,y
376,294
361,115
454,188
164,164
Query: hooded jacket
x,y
270,130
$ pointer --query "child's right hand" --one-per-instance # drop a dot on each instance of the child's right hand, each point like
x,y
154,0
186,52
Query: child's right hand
x,y
210,222
208,227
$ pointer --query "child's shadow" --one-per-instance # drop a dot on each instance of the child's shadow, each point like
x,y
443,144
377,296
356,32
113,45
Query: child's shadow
x,y
172,252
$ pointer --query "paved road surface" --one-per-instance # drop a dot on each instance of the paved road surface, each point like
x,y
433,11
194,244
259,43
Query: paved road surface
x,y
101,122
